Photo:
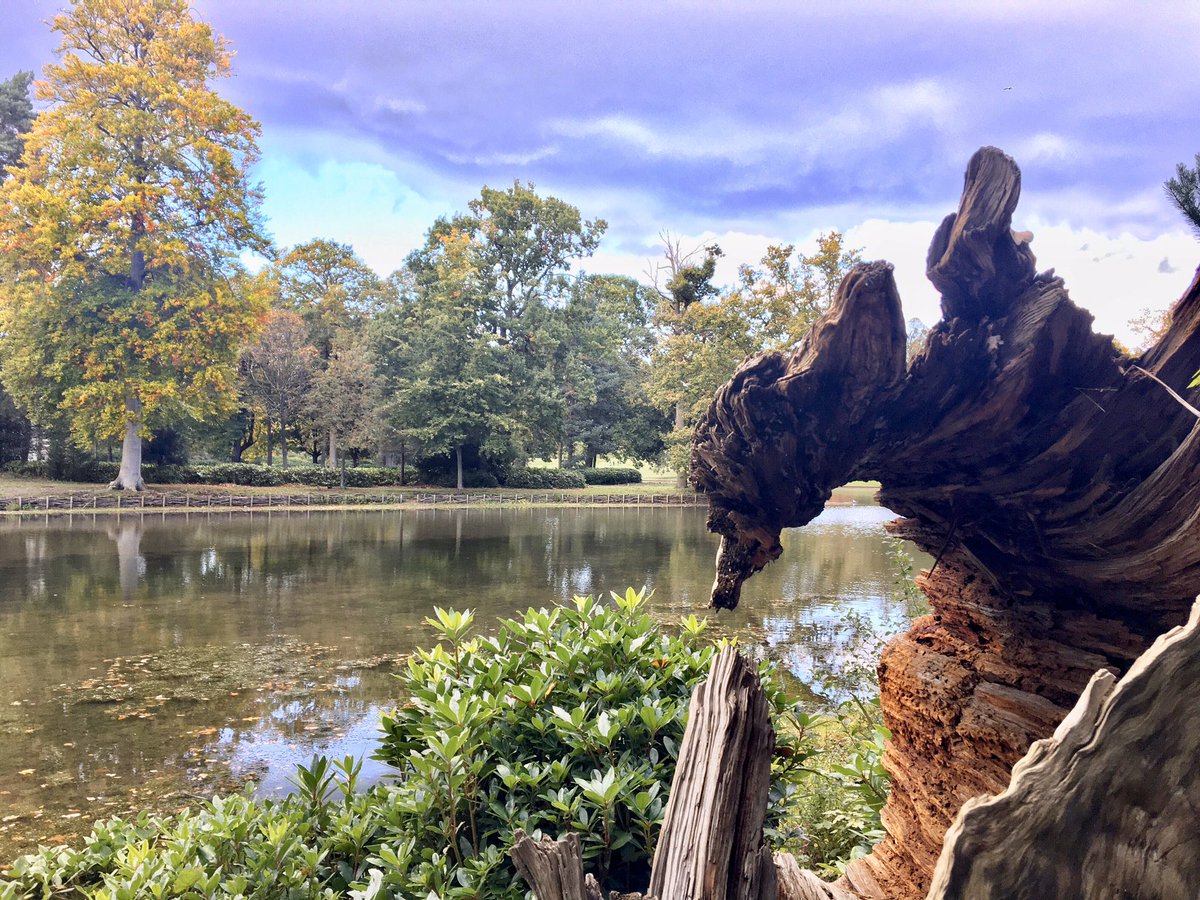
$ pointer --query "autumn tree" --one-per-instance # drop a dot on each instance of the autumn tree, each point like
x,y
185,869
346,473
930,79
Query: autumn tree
x,y
335,292
277,372
706,333
125,219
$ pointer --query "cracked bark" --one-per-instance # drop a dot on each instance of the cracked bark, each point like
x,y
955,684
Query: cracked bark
x,y
1055,485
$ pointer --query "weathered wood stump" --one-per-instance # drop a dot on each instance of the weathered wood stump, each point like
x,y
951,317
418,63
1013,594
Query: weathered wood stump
x,y
1075,821
711,844
1055,485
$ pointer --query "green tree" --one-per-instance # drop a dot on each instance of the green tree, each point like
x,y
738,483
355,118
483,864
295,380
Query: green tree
x,y
345,399
521,247
125,220
16,117
449,386
606,338
1184,192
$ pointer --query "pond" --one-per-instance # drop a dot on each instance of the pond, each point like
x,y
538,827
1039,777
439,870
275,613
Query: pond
x,y
148,660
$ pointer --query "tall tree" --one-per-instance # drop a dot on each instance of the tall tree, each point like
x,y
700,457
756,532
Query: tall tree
x,y
16,116
522,247
278,370
126,218
454,392
334,291
346,397
1184,192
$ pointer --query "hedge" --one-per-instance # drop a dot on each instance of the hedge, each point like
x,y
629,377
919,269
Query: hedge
x,y
225,473
543,479
611,475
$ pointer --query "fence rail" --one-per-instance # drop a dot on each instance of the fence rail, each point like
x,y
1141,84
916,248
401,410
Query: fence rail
x,y
174,500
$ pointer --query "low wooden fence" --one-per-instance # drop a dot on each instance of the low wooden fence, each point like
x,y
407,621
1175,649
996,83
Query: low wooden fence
x,y
174,500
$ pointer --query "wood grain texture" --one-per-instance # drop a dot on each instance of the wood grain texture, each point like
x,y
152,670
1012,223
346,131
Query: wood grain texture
x,y
711,843
1056,487
1107,807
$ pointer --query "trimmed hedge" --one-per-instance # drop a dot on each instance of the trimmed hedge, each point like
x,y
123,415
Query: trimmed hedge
x,y
611,475
543,479
243,474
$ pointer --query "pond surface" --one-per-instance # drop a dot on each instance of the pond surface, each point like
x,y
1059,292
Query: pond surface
x,y
145,661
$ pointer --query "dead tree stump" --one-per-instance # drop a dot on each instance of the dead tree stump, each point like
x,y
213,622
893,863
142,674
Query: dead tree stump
x,y
1074,821
711,844
1054,483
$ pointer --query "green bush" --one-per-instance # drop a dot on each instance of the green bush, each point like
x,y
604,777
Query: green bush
x,y
26,469
611,475
544,479
241,474
566,719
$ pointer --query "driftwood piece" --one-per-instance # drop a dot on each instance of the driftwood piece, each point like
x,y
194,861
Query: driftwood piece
x,y
1054,484
553,869
1108,807
711,844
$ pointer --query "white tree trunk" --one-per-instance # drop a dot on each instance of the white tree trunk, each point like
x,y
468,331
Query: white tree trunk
x,y
332,459
458,456
129,478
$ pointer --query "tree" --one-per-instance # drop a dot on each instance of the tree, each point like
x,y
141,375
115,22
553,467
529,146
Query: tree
x,y
334,291
521,248
277,372
604,339
453,391
1184,192
345,399
686,280
16,115
126,218
524,245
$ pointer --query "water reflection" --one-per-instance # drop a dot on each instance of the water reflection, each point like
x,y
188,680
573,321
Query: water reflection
x,y
138,652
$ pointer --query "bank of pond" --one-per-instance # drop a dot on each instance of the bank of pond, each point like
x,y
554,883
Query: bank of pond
x,y
146,660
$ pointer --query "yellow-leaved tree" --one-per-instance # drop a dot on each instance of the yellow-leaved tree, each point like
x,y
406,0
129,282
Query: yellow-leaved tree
x,y
122,302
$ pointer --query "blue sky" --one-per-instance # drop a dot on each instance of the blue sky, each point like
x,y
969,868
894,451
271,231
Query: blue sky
x,y
744,123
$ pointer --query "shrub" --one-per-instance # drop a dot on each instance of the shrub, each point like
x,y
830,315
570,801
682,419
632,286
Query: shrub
x,y
566,719
26,469
611,475
544,479
239,473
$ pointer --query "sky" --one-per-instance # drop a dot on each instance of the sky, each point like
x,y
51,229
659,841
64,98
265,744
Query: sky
x,y
742,123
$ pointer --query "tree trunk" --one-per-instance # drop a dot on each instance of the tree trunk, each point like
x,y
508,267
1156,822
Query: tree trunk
x,y
270,441
1054,484
342,469
458,459
129,477
681,478
331,460
401,463
283,439
1072,822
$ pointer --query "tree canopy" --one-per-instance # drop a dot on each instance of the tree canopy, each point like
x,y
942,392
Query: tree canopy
x,y
124,220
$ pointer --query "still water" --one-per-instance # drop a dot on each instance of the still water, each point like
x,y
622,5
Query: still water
x,y
145,661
